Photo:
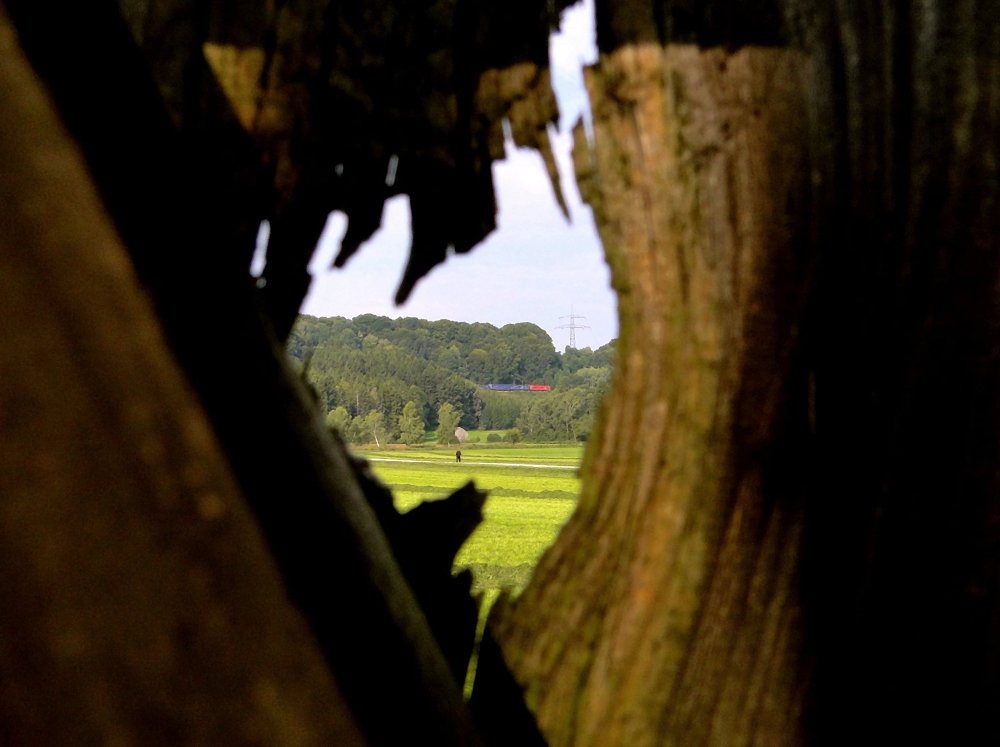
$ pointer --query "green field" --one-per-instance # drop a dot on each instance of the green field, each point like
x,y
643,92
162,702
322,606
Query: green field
x,y
532,491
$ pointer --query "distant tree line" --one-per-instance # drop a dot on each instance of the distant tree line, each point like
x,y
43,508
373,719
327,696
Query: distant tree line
x,y
382,379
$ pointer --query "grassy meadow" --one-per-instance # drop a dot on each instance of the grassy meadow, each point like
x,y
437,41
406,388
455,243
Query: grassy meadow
x,y
532,491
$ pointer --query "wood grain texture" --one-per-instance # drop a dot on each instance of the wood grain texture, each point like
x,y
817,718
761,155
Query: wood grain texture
x,y
789,532
666,613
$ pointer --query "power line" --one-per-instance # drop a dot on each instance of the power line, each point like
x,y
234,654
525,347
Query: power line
x,y
572,326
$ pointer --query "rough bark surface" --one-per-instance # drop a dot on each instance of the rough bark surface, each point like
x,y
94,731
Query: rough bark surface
x,y
683,626
788,528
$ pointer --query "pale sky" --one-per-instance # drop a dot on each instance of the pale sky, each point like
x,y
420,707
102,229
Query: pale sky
x,y
535,267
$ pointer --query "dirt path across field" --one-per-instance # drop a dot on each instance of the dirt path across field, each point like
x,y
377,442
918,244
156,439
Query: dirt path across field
x,y
478,464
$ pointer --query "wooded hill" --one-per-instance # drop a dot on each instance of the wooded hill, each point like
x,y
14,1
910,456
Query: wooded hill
x,y
370,367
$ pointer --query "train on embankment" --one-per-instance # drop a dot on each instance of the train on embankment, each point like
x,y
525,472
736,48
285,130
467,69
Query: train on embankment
x,y
517,387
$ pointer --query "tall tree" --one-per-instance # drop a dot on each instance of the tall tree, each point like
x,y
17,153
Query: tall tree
x,y
339,419
500,409
375,427
411,424
448,419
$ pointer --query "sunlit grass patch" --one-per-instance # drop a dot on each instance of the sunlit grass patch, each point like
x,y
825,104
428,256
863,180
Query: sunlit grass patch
x,y
526,508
